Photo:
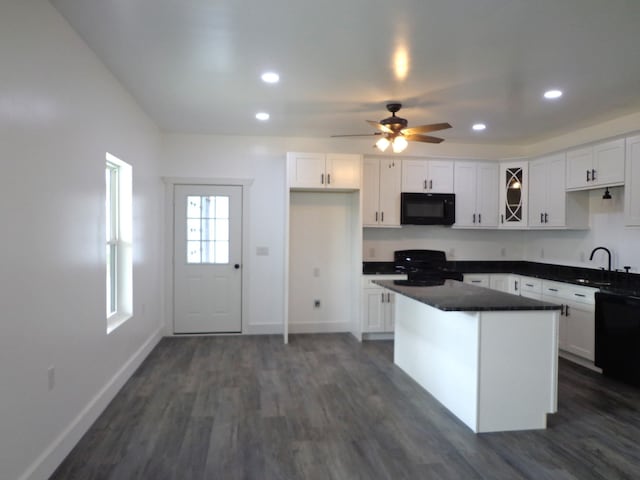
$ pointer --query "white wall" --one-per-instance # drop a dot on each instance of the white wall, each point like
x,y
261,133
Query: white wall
x,y
60,111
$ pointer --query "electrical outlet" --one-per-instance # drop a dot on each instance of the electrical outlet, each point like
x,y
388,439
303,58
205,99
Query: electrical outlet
x,y
452,253
316,304
372,252
262,251
582,257
51,377
316,272
503,252
542,253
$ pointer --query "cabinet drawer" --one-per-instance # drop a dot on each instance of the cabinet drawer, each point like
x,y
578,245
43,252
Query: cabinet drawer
x,y
531,285
555,289
576,293
478,279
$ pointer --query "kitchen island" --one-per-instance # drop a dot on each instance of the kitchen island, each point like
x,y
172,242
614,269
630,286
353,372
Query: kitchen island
x,y
490,357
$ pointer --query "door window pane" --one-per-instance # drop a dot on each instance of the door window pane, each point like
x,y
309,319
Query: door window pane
x,y
207,229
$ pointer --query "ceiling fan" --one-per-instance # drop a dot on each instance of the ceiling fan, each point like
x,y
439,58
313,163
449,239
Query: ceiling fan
x,y
394,131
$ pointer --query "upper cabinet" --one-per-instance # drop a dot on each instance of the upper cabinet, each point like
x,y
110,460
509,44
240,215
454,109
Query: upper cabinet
x,y
513,194
381,182
476,189
632,183
321,171
596,166
550,206
427,176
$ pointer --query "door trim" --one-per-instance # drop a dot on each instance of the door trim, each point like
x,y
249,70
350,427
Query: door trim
x,y
169,228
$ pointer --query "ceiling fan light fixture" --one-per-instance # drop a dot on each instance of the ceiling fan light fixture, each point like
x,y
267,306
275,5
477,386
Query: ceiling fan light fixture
x,y
399,144
552,94
383,143
478,127
270,77
607,195
262,116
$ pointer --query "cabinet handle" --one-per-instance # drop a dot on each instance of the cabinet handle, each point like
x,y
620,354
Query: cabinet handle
x,y
322,178
529,285
479,218
546,218
388,298
579,295
430,184
553,289
376,216
566,310
593,175
516,285
425,184
541,217
588,176
476,281
474,218
502,218
382,294
382,216
328,179
561,309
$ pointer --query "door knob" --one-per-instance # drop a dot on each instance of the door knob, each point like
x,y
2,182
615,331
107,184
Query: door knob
x,y
236,266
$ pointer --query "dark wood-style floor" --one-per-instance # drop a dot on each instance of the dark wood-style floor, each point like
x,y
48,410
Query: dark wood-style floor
x,y
327,407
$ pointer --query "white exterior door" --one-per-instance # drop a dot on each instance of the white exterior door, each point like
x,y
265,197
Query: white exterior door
x,y
207,259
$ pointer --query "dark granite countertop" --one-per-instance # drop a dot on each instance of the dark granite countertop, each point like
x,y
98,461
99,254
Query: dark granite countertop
x,y
458,296
616,282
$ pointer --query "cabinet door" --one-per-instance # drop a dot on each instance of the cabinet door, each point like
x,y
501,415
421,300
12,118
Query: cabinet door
x,y
306,170
556,207
373,314
343,171
440,176
538,192
632,183
579,165
390,184
390,312
499,282
608,162
465,190
513,195
414,176
487,194
580,330
370,191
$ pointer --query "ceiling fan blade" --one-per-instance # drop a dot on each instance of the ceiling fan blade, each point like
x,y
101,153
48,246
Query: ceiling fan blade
x,y
425,128
358,135
379,126
423,138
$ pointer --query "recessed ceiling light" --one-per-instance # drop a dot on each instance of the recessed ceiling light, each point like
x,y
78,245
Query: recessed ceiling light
x,y
478,127
263,116
270,77
552,94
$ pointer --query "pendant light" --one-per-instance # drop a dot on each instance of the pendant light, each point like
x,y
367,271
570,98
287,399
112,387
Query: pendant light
x,y
607,195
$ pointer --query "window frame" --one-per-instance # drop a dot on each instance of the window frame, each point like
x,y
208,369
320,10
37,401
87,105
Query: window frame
x,y
118,234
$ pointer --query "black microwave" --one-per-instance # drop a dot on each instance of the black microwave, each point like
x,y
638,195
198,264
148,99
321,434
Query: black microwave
x,y
427,208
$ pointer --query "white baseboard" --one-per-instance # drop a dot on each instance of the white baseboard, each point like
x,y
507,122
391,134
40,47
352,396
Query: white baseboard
x,y
55,453
320,327
264,329
579,360
377,336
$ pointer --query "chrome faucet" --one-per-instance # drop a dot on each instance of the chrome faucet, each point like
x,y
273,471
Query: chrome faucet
x,y
608,253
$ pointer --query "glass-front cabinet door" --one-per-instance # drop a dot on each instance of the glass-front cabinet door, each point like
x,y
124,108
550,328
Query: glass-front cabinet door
x,y
513,194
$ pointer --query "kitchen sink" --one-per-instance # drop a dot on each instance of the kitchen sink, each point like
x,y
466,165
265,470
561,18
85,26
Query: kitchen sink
x,y
595,283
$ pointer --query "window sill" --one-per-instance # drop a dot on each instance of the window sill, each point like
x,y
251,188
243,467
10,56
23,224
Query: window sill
x,y
117,319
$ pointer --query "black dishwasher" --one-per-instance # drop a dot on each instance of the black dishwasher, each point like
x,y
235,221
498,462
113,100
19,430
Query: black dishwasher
x,y
617,345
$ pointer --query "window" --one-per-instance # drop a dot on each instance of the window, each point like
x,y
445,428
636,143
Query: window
x,y
208,229
118,228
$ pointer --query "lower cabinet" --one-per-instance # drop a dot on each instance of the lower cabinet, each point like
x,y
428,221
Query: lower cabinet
x,y
478,279
378,309
577,317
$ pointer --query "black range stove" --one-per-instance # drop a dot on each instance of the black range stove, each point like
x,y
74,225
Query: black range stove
x,y
423,268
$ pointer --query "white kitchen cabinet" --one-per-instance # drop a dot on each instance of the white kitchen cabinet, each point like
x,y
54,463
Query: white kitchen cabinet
x,y
381,182
632,183
477,279
531,287
513,186
476,189
550,206
323,171
596,166
505,282
577,317
427,176
378,312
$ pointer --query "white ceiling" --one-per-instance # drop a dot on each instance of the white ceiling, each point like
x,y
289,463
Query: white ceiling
x,y
195,65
